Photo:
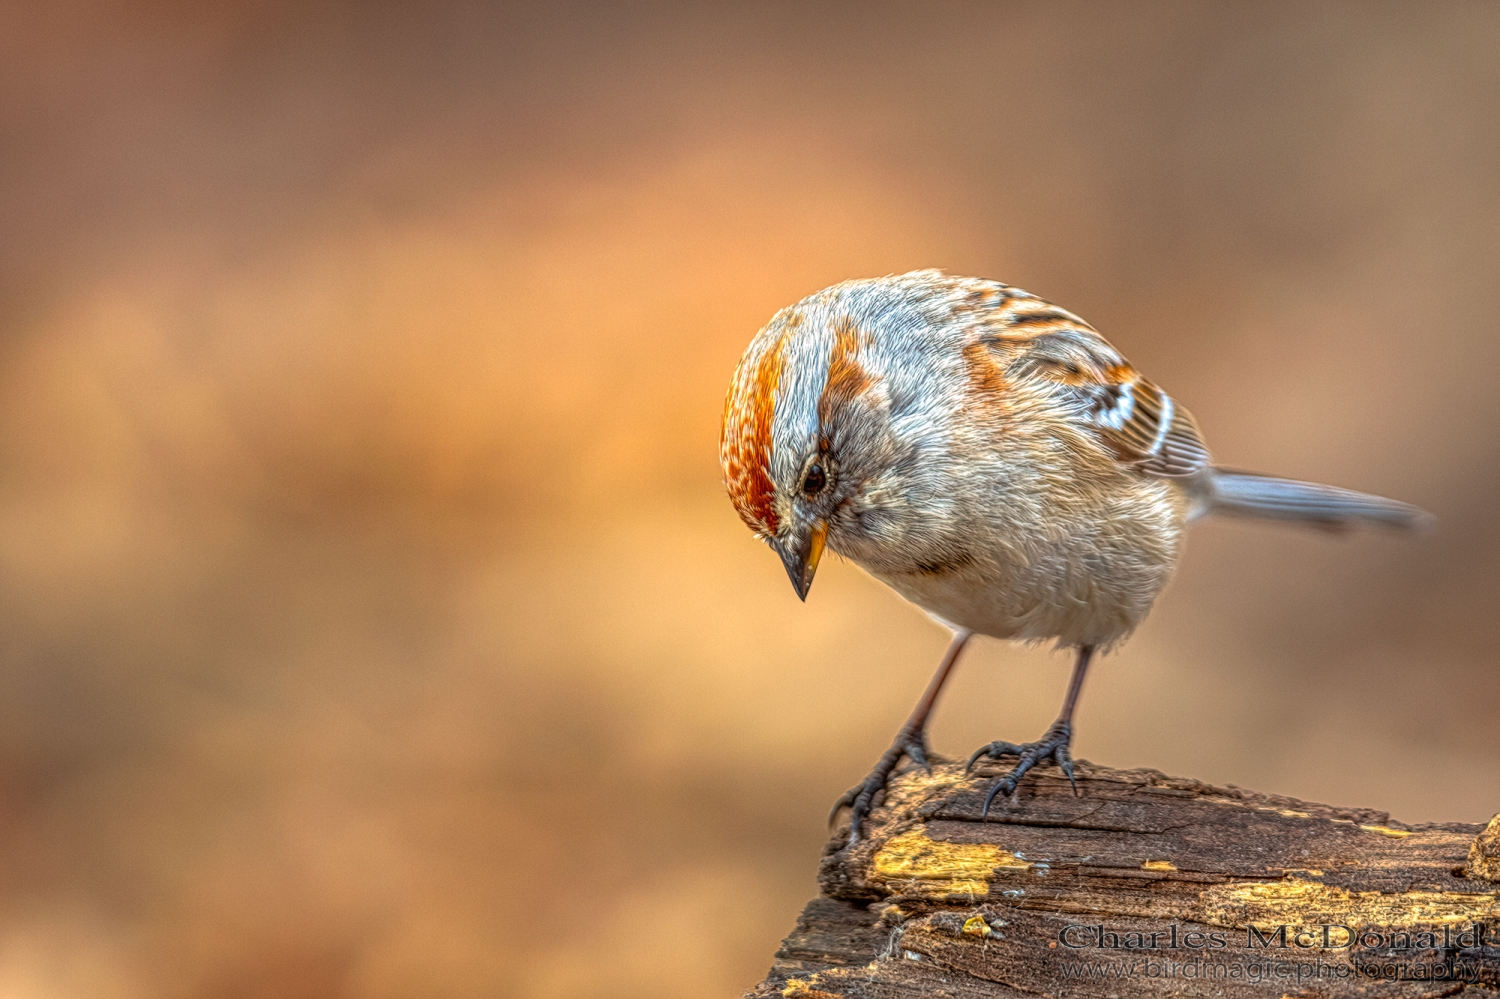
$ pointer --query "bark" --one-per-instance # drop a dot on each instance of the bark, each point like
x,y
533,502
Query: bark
x,y
1142,885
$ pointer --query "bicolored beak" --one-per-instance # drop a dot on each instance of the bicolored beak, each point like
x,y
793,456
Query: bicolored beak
x,y
800,556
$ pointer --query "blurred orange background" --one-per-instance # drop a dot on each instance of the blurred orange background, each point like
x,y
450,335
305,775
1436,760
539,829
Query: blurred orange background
x,y
374,624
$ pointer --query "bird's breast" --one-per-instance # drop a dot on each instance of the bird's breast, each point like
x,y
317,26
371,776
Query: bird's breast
x,y
1083,573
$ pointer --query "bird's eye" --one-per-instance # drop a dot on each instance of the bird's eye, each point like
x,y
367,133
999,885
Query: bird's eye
x,y
814,481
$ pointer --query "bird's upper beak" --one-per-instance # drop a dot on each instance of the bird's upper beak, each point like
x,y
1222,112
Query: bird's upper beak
x,y
800,555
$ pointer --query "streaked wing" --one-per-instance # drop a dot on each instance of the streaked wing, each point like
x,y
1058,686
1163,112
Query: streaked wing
x,y
1134,417
1146,427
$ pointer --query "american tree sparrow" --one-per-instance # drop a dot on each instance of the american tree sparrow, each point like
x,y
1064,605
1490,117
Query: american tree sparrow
x,y
995,461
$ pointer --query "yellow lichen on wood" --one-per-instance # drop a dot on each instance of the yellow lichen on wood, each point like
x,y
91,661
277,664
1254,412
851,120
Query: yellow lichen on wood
x,y
917,862
918,785
976,926
802,988
1309,903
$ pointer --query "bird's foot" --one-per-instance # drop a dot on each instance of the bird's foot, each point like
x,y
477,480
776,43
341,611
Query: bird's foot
x,y
1053,746
865,796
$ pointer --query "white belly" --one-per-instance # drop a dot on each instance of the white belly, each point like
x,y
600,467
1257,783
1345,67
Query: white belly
x,y
1071,612
1088,586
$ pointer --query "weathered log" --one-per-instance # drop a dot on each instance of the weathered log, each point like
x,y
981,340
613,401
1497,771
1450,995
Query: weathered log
x,y
1142,884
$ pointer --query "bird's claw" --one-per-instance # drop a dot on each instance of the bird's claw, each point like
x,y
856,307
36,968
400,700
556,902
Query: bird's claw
x,y
865,797
860,800
1051,747
917,753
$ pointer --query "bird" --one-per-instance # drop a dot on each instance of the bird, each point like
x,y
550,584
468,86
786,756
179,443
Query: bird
x,y
994,460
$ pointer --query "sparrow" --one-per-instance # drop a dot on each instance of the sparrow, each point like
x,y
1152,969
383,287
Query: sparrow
x,y
995,461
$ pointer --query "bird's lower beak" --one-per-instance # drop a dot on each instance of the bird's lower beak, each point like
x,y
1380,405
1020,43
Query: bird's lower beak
x,y
801,559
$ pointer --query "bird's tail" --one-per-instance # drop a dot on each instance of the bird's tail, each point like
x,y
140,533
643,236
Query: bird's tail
x,y
1248,494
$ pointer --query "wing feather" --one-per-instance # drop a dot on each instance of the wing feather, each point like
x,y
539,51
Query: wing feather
x,y
1139,422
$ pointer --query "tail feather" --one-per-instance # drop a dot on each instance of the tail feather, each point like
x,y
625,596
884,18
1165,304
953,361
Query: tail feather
x,y
1248,494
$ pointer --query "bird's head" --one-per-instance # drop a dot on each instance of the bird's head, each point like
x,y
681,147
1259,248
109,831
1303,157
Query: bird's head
x,y
781,449
831,413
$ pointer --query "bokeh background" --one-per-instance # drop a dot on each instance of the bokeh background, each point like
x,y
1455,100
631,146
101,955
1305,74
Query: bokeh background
x,y
372,623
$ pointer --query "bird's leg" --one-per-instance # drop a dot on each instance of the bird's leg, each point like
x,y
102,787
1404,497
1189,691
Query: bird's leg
x,y
910,742
1053,745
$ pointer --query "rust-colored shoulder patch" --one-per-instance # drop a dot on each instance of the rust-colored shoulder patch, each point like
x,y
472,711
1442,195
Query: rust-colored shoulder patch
x,y
985,375
1032,317
745,440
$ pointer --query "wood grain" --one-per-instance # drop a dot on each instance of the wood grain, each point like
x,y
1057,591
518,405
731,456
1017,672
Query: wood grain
x,y
1142,884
